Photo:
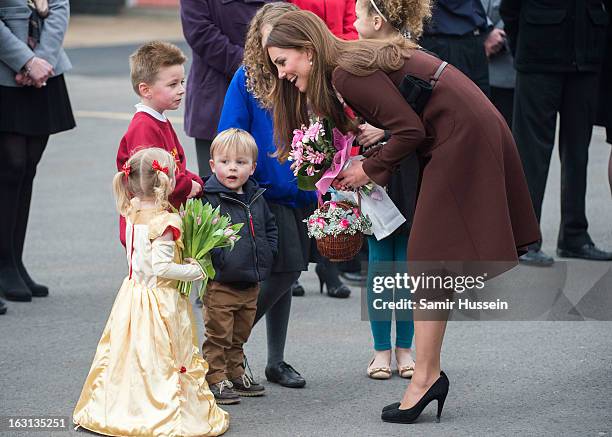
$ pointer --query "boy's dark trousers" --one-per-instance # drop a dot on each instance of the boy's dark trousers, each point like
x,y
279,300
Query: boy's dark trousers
x,y
228,318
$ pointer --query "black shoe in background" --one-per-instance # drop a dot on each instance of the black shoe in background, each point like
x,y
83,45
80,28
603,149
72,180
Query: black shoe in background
x,y
38,290
2,307
285,375
537,258
297,289
588,251
330,277
12,286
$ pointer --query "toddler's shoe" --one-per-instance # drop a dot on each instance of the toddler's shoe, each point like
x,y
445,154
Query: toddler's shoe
x,y
246,386
224,395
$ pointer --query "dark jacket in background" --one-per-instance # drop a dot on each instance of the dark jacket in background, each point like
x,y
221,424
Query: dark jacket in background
x,y
604,116
215,30
555,35
456,17
253,255
456,34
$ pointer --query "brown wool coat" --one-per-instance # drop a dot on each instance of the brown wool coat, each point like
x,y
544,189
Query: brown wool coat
x,y
473,203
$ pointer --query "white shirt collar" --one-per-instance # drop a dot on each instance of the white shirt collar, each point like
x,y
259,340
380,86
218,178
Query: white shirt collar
x,y
141,107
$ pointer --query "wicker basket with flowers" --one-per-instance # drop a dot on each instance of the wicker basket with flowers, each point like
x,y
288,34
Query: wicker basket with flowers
x,y
338,228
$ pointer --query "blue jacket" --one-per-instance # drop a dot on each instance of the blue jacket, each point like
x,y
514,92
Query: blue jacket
x,y
241,110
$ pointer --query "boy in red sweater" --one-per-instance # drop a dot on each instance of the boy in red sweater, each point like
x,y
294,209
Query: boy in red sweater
x,y
158,77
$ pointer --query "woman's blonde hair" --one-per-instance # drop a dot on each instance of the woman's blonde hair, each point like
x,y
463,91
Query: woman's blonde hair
x,y
304,31
403,15
140,178
259,80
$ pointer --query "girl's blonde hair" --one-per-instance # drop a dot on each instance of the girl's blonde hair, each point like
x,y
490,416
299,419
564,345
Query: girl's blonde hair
x,y
303,30
259,80
142,179
403,15
236,141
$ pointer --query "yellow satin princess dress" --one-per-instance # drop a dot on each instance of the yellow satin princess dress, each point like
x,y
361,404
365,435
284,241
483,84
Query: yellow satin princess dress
x,y
148,377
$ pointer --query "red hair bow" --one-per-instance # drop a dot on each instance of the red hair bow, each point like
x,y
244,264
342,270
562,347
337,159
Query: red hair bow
x,y
126,169
158,167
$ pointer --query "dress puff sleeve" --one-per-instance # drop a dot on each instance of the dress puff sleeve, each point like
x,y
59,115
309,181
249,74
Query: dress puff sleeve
x,y
163,252
160,224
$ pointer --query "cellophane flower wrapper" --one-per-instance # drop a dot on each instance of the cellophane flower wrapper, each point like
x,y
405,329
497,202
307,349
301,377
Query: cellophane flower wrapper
x,y
204,229
313,149
376,204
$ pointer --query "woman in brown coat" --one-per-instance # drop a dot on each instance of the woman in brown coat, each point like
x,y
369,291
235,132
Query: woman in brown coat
x,y
473,203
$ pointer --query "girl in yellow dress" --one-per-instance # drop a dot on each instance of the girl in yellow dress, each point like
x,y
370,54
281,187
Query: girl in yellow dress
x,y
148,377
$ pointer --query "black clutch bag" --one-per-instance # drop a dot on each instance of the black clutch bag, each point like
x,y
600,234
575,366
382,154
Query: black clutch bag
x,y
418,91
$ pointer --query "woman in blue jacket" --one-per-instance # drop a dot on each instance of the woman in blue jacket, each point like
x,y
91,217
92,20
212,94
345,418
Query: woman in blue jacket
x,y
243,109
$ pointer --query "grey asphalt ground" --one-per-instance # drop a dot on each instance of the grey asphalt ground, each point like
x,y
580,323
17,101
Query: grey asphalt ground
x,y
507,378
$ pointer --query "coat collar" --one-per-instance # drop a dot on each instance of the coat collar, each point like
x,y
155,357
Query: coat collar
x,y
212,185
141,107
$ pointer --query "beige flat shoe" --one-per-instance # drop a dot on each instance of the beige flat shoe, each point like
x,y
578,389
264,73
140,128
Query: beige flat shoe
x,y
405,370
383,372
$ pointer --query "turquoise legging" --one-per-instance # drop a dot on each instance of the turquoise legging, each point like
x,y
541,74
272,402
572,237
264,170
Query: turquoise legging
x,y
389,249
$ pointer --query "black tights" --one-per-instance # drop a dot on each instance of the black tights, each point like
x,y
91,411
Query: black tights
x,y
275,302
19,156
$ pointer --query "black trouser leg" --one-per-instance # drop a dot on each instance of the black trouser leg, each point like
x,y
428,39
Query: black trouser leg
x,y
503,99
13,156
34,151
537,98
578,111
274,301
203,154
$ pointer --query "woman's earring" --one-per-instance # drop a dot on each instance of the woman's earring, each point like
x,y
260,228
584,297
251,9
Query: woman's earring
x,y
310,62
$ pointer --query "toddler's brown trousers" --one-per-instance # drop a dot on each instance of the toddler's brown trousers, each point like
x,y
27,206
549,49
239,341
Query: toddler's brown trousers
x,y
228,318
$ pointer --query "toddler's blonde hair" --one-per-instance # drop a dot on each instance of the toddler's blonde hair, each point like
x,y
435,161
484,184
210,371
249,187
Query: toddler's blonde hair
x,y
144,181
234,140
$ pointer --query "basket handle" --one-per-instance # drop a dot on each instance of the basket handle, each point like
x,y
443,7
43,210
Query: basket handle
x,y
320,200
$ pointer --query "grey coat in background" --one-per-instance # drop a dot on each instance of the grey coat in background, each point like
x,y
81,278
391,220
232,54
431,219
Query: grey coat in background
x,y
501,65
14,51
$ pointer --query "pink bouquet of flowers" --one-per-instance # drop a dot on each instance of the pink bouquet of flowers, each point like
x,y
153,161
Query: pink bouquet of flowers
x,y
319,153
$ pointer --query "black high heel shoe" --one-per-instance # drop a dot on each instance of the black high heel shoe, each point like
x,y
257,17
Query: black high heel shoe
x,y
438,391
328,275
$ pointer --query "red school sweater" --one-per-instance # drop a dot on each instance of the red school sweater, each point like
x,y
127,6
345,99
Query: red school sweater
x,y
339,15
146,131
